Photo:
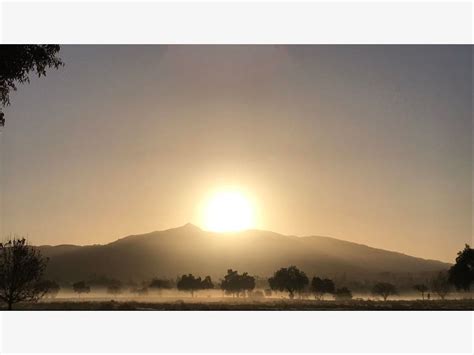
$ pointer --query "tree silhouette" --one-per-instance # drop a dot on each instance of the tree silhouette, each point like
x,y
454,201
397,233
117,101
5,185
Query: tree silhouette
x,y
115,288
461,274
421,288
16,63
192,284
235,284
50,288
384,289
321,286
289,279
81,287
440,285
188,283
21,270
207,284
343,293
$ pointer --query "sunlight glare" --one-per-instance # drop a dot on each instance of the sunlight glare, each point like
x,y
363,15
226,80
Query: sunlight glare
x,y
228,210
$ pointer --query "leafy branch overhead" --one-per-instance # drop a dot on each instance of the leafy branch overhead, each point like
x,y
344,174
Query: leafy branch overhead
x,y
17,62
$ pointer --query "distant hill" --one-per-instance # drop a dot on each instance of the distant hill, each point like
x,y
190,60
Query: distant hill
x,y
189,249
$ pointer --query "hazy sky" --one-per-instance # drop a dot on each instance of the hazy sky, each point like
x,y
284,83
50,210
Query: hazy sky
x,y
371,144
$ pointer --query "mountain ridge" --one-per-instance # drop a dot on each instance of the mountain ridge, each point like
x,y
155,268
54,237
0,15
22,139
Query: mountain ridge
x,y
230,233
189,249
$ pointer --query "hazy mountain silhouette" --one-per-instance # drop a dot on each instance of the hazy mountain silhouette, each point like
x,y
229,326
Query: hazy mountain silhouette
x,y
186,249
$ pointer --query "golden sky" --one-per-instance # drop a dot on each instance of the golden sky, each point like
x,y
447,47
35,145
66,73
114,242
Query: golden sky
x,y
370,144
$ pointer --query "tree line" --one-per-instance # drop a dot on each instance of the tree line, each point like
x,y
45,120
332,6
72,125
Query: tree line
x,y
290,280
22,268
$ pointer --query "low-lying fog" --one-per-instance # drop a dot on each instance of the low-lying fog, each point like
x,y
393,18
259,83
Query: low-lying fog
x,y
216,295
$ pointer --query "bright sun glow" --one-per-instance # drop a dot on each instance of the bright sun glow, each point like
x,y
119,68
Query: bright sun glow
x,y
228,211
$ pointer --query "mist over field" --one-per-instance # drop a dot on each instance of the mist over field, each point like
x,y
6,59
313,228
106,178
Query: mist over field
x,y
171,296
273,177
190,268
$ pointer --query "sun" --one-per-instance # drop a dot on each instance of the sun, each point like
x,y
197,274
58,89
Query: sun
x,y
228,210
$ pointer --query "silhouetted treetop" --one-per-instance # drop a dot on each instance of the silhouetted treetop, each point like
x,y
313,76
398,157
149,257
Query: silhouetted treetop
x,y
461,274
321,286
235,283
49,287
21,271
289,279
422,289
440,285
343,293
115,289
81,287
207,283
16,63
192,284
384,289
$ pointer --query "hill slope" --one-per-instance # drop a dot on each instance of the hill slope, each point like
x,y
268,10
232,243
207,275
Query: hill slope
x,y
188,249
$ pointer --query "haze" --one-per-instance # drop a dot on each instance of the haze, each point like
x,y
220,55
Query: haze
x,y
371,144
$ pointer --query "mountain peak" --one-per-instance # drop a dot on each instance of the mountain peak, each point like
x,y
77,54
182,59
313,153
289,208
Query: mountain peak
x,y
189,249
190,226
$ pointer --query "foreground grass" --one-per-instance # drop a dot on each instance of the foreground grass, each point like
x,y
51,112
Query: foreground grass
x,y
253,305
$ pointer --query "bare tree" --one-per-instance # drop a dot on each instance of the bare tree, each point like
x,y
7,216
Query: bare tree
x,y
21,270
422,289
440,285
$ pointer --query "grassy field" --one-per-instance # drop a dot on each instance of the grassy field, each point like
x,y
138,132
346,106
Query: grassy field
x,y
251,305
